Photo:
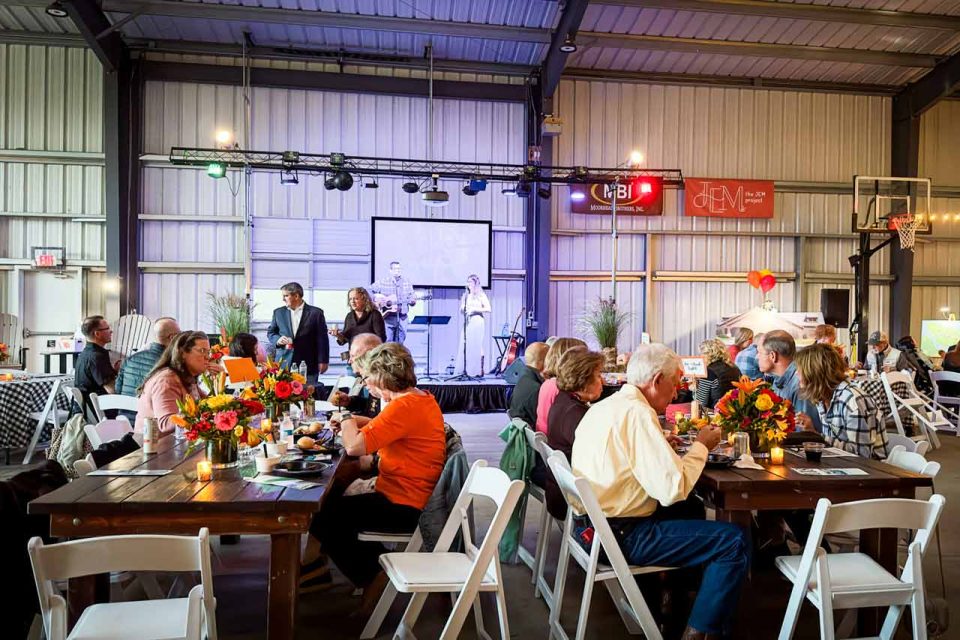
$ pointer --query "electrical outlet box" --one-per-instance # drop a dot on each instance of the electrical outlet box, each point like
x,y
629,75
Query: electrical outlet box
x,y
51,344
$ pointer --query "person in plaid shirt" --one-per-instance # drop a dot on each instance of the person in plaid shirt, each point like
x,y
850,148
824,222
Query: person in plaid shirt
x,y
850,418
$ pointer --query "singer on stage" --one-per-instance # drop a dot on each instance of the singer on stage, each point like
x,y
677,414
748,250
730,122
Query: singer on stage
x,y
394,295
475,306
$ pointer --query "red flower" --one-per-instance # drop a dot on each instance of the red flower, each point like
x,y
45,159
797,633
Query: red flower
x,y
283,390
252,406
192,435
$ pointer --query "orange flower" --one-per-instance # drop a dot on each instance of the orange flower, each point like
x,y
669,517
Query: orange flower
x,y
746,385
179,420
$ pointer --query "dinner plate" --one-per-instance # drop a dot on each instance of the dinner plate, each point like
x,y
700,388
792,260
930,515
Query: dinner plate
x,y
299,468
719,461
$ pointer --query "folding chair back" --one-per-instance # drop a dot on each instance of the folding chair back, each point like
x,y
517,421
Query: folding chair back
x,y
110,554
110,401
912,461
11,334
916,404
908,444
107,431
130,334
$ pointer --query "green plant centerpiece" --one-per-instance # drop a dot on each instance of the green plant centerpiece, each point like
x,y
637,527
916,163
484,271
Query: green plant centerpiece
x,y
230,314
605,322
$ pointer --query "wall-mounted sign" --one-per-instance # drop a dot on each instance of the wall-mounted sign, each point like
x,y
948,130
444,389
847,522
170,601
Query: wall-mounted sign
x,y
48,257
719,198
641,196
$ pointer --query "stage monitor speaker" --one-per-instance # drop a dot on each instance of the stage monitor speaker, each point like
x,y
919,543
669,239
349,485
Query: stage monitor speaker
x,y
835,307
514,371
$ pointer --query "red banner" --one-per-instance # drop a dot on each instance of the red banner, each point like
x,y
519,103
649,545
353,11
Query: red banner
x,y
642,196
719,198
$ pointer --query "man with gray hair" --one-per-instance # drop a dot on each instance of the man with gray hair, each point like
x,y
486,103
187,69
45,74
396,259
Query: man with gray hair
x,y
641,484
775,354
135,368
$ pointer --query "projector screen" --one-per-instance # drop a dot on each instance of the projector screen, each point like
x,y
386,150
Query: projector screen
x,y
432,253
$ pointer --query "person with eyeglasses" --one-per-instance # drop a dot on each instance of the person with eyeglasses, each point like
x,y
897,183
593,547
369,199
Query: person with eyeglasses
x,y
93,372
174,378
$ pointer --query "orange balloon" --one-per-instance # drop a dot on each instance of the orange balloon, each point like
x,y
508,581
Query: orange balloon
x,y
768,282
754,279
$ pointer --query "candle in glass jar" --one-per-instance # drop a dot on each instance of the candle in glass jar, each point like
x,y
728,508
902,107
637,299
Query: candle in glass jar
x,y
776,455
204,471
266,424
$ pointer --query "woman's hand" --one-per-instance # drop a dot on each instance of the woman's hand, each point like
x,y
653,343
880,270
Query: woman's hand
x,y
805,422
214,368
334,331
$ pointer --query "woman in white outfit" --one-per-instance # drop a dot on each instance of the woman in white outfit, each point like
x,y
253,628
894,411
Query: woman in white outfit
x,y
475,304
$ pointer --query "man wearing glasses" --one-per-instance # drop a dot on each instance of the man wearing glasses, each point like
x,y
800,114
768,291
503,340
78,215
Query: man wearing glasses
x,y
93,372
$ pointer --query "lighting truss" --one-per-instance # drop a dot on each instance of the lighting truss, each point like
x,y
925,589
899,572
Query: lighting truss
x,y
331,163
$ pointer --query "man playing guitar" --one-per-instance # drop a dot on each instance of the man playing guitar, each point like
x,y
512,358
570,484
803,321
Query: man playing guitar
x,y
394,295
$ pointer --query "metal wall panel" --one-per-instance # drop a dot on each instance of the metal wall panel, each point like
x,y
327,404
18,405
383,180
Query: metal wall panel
x,y
183,296
815,138
939,152
570,300
331,221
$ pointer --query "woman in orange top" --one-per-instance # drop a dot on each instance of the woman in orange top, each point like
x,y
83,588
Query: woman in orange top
x,y
409,437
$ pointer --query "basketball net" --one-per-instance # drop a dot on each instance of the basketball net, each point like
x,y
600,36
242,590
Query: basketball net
x,y
906,226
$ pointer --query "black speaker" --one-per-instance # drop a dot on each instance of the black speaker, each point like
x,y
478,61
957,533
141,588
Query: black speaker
x,y
514,371
835,307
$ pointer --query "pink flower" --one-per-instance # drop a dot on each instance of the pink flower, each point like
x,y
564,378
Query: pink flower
x,y
226,420
297,387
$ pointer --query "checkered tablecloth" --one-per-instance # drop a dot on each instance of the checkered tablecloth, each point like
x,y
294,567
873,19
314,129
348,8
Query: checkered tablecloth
x,y
874,389
20,398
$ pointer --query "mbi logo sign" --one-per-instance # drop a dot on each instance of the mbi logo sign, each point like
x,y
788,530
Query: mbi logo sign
x,y
719,198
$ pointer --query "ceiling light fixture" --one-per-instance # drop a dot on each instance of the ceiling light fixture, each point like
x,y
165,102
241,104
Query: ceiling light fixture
x,y
467,191
410,187
544,192
435,196
328,184
289,176
342,180
56,10
569,45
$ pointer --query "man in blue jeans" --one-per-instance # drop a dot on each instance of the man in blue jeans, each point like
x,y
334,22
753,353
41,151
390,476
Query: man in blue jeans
x,y
621,450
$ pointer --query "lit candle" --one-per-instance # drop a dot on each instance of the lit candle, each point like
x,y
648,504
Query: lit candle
x,y
776,455
204,471
731,437
694,410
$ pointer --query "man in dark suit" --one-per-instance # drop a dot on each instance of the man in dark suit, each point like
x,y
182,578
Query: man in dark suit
x,y
299,332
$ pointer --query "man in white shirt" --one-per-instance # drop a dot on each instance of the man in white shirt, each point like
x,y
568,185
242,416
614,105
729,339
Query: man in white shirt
x,y
634,471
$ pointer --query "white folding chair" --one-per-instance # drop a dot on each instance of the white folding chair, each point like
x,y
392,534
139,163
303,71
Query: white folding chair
x,y
928,415
130,334
107,431
855,580
626,594
535,492
909,444
110,401
936,377
84,465
11,334
542,587
912,461
466,574
50,414
190,618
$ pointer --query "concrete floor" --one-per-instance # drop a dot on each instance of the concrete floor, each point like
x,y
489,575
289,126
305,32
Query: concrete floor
x,y
241,578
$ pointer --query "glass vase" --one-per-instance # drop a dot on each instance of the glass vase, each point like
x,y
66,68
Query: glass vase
x,y
757,450
223,453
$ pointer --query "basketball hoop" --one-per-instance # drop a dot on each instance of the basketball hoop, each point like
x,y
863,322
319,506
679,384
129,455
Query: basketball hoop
x,y
906,226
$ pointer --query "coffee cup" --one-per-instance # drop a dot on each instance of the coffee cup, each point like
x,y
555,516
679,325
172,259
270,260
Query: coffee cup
x,y
813,451
266,464
276,448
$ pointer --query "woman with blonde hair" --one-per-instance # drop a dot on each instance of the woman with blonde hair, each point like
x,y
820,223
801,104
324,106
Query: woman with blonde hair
x,y
721,373
363,317
849,417
409,437
548,390
741,341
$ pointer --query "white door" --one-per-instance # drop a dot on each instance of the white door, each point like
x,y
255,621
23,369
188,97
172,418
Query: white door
x,y
51,305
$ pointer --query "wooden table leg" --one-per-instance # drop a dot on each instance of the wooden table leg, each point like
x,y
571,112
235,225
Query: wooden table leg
x,y
284,576
881,545
741,623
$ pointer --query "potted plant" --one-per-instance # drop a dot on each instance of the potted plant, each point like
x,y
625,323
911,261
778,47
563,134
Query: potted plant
x,y
230,314
604,321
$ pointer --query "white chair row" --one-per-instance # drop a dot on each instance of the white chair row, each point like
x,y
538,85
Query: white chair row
x,y
929,415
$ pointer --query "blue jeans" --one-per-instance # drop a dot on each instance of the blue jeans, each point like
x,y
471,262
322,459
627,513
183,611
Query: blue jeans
x,y
721,548
396,331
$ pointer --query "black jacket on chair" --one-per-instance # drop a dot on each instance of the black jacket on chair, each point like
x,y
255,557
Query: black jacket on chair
x,y
311,344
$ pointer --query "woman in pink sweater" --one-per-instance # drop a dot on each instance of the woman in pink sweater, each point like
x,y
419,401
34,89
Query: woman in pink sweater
x,y
173,378
548,390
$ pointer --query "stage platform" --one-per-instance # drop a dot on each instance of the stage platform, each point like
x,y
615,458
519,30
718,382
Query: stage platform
x,y
470,396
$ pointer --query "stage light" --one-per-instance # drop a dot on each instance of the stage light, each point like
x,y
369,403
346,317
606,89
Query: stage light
x,y
523,189
289,176
56,10
544,192
290,157
569,45
410,187
373,184
636,158
224,138
216,170
578,196
342,180
467,191
435,196
477,185
645,187
328,184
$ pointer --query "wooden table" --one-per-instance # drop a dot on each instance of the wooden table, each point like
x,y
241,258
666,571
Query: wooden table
x,y
178,504
734,493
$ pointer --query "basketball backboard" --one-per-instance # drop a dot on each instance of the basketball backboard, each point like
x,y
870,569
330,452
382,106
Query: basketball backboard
x,y
880,202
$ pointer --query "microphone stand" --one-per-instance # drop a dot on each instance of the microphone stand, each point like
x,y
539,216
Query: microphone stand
x,y
464,376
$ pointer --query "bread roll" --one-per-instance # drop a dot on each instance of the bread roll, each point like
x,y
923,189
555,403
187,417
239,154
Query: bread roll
x,y
306,442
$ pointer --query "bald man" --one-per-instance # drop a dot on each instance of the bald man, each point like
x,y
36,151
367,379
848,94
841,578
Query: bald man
x,y
136,367
523,402
360,403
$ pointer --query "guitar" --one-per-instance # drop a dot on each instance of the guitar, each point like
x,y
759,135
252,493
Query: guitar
x,y
388,303
516,340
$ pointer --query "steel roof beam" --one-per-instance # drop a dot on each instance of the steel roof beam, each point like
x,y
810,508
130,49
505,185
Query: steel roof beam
x,y
757,49
922,94
303,18
91,22
556,59
818,12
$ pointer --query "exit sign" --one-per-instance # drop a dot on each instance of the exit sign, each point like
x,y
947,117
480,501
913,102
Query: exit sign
x,y
48,257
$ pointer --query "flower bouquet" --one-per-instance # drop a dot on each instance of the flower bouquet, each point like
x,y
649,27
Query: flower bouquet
x,y
4,352
278,386
752,407
221,423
